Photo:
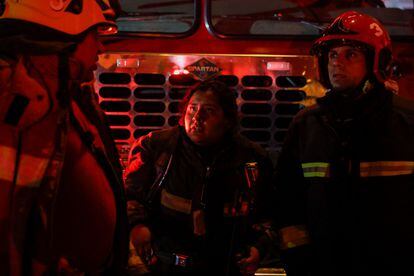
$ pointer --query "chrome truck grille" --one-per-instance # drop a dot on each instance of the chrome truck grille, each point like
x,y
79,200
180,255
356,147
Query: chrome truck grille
x,y
141,92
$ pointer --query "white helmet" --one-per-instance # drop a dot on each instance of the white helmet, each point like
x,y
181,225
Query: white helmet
x,y
71,17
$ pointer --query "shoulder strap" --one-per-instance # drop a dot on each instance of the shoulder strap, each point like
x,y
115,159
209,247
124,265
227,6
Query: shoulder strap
x,y
158,184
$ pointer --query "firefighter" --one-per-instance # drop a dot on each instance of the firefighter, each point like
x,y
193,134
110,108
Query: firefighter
x,y
345,174
195,190
61,198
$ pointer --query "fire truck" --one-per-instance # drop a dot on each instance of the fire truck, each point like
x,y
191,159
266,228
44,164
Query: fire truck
x,y
259,48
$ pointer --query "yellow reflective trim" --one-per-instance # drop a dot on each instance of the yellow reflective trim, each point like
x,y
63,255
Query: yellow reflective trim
x,y
175,203
315,164
314,174
31,170
386,168
7,162
386,173
315,169
387,164
293,236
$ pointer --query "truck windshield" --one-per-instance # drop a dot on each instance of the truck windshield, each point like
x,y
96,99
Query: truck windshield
x,y
304,17
155,16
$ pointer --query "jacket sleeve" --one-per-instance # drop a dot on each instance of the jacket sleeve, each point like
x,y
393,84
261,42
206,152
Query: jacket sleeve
x,y
264,206
290,217
140,175
265,190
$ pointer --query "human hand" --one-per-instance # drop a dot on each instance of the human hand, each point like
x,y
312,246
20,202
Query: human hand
x,y
248,266
141,239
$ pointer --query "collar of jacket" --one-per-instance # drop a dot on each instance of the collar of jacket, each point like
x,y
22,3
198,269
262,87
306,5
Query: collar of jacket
x,y
371,106
48,66
26,44
207,153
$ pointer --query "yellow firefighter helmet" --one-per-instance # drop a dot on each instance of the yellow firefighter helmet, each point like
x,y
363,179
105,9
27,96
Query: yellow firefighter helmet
x,y
72,17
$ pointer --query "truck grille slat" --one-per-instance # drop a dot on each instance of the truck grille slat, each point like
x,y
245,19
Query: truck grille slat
x,y
146,97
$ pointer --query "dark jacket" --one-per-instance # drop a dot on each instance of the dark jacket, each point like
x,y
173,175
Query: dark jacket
x,y
345,180
211,180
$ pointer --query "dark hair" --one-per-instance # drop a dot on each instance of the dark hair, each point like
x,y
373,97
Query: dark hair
x,y
224,95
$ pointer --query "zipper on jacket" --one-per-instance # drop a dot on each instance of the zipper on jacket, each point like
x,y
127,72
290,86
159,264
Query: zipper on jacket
x,y
347,164
207,176
203,200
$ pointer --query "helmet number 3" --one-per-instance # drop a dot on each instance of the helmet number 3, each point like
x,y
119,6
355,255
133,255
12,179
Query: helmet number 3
x,y
377,28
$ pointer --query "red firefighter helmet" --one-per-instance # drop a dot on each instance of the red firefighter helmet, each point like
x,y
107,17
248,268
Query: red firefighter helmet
x,y
70,17
360,30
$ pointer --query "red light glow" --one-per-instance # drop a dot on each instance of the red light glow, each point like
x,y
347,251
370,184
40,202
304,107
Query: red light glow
x,y
181,72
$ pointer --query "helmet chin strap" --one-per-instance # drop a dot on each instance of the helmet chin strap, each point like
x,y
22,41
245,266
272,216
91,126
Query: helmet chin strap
x,y
71,72
63,94
76,70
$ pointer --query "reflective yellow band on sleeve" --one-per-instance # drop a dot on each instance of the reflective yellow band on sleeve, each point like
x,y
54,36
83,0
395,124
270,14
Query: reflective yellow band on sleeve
x,y
7,163
31,168
315,169
293,236
175,203
386,168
